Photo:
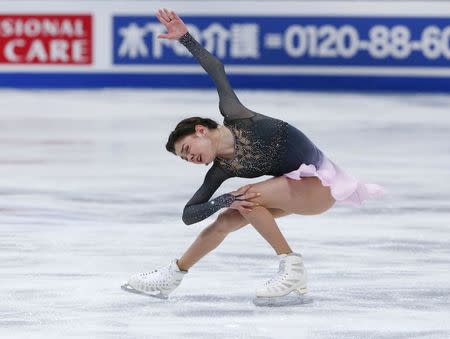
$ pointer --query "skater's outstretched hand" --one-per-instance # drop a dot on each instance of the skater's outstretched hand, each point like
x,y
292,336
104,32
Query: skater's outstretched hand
x,y
241,202
174,25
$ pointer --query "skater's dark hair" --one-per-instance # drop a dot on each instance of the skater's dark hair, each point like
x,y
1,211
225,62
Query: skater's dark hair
x,y
186,127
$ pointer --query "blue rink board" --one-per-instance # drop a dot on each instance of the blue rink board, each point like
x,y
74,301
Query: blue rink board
x,y
189,81
293,40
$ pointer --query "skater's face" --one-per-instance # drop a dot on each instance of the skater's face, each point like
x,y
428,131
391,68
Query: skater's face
x,y
196,147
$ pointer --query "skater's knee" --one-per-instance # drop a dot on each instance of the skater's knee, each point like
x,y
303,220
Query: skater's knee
x,y
216,228
213,231
227,221
223,223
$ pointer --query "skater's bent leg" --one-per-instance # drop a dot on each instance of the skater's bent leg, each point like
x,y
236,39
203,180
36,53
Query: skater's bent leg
x,y
265,224
210,237
306,196
228,221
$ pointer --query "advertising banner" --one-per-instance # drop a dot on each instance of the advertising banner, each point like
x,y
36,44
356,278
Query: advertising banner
x,y
290,40
46,39
306,45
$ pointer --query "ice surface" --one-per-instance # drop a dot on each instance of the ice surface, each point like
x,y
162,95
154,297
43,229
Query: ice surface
x,y
89,195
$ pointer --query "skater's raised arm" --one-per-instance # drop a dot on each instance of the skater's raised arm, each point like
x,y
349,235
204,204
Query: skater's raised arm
x,y
229,105
198,207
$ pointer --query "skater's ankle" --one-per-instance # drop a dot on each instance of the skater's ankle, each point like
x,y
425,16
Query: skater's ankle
x,y
181,267
285,252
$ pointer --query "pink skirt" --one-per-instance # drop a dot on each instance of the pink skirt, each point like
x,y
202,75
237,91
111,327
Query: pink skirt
x,y
344,188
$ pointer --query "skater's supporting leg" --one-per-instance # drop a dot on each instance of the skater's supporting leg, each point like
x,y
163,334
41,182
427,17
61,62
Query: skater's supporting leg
x,y
227,221
265,224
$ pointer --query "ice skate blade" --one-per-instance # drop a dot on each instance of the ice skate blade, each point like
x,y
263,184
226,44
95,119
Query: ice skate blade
x,y
300,291
294,298
157,294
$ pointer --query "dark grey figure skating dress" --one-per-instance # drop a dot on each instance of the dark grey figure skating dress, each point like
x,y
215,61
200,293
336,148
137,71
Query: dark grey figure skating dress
x,y
263,146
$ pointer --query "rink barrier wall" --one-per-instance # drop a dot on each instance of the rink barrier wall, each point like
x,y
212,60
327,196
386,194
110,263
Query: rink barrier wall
x,y
305,83
345,45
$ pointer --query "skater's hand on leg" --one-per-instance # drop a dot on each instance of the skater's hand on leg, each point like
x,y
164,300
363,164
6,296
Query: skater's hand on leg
x,y
243,198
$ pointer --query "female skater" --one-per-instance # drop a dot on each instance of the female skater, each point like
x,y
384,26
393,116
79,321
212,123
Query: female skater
x,y
248,145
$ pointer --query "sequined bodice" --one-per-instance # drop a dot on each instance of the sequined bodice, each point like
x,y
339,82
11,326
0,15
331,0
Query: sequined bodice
x,y
259,145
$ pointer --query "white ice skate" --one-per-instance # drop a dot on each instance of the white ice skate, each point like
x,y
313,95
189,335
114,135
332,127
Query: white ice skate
x,y
291,277
157,283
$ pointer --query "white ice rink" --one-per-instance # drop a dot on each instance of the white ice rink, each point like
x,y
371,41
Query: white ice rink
x,y
89,195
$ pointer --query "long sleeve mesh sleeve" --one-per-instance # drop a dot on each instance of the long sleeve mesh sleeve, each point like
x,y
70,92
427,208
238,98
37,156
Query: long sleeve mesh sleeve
x,y
229,105
198,207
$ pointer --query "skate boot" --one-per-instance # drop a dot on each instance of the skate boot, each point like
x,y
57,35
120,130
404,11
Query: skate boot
x,y
157,283
291,277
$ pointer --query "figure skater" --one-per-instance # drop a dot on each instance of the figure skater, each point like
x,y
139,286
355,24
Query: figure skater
x,y
248,145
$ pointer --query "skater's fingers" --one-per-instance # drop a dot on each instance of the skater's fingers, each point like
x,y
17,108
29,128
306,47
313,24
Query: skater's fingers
x,y
244,203
245,188
161,20
164,36
169,17
248,196
252,195
250,203
245,210
238,194
242,206
164,15
175,15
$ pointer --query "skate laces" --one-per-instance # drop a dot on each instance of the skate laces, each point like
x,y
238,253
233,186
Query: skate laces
x,y
162,276
151,272
160,269
156,274
279,276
